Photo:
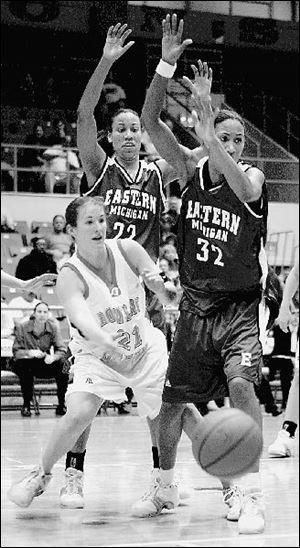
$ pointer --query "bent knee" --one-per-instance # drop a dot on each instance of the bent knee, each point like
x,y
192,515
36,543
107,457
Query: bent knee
x,y
241,388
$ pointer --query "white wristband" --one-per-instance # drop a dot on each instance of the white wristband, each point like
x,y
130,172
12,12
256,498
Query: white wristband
x,y
165,69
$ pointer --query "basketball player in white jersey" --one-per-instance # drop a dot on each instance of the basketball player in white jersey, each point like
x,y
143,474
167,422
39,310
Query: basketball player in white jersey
x,y
114,345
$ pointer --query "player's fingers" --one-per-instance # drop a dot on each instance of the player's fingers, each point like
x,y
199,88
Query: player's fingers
x,y
188,83
167,24
174,24
180,30
122,29
126,34
126,48
186,43
116,28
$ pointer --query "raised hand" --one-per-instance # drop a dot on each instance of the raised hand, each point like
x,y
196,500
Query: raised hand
x,y
201,86
114,46
172,47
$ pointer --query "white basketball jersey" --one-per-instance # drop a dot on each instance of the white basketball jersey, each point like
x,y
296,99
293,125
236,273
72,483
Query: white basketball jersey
x,y
119,310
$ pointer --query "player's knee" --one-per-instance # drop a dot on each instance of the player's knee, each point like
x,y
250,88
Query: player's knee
x,y
241,390
170,413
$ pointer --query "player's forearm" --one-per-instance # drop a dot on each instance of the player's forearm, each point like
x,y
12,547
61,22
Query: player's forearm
x,y
154,101
10,281
88,328
235,177
92,92
290,288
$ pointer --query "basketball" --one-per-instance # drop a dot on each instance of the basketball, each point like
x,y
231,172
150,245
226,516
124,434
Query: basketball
x,y
227,443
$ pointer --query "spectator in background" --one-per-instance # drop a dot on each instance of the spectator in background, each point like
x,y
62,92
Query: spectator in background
x,y
28,91
7,322
33,158
32,356
37,262
281,360
24,305
59,160
58,242
167,220
7,174
7,222
114,98
60,135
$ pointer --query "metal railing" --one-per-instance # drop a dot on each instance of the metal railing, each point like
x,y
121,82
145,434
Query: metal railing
x,y
47,175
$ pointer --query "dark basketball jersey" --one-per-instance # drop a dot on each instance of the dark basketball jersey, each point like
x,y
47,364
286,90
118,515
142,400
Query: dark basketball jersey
x,y
134,206
219,239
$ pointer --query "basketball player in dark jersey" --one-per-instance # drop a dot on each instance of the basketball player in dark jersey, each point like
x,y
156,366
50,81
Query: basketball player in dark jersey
x,y
132,190
216,350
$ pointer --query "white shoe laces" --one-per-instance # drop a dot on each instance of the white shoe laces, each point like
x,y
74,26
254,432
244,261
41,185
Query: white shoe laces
x,y
73,484
231,494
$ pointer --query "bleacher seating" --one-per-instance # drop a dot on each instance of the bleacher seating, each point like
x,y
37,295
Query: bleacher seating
x,y
41,227
23,229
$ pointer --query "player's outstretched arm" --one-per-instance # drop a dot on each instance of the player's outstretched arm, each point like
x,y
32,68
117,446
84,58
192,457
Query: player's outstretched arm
x,y
7,280
290,288
144,266
160,134
91,153
246,186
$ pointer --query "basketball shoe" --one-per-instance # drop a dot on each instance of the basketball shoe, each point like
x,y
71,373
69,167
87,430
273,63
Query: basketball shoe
x,y
233,497
33,485
156,499
282,446
71,495
252,518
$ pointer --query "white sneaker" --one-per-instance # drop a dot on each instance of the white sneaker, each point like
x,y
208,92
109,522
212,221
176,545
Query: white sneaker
x,y
155,500
184,492
281,446
233,497
71,495
252,518
33,485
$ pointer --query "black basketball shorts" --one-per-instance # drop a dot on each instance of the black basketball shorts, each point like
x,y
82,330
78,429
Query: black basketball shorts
x,y
208,352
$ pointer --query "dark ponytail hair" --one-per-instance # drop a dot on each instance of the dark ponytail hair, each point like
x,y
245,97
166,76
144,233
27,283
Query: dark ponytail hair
x,y
226,114
121,111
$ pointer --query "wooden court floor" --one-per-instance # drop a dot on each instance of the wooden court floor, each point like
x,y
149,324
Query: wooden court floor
x,y
118,463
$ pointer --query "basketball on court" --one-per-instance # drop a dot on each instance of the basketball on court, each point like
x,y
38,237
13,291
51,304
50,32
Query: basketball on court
x,y
227,443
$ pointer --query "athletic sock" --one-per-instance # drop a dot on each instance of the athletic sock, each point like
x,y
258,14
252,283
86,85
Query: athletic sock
x,y
290,427
155,457
251,483
75,460
167,476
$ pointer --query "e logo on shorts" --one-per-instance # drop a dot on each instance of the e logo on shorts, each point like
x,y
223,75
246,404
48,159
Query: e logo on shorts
x,y
246,359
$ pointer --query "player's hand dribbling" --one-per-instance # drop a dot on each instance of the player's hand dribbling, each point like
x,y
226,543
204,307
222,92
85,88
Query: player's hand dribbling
x,y
172,47
114,46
